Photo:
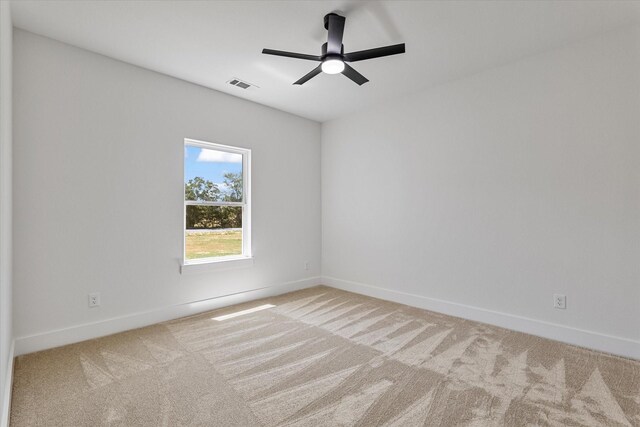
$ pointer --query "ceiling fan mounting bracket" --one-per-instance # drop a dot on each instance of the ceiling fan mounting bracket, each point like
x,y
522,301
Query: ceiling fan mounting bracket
x,y
326,19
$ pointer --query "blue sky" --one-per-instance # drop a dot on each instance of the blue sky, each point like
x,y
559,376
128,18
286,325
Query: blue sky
x,y
210,164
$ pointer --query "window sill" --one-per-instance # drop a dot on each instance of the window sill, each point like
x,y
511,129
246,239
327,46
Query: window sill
x,y
218,264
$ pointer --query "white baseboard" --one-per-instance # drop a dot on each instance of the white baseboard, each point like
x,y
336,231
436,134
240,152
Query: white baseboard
x,y
579,337
8,387
73,334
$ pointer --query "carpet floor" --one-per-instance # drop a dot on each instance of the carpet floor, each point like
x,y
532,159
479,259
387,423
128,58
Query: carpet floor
x,y
324,357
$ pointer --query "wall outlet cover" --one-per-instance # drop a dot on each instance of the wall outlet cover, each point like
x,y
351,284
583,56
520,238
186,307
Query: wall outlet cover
x,y
560,301
94,299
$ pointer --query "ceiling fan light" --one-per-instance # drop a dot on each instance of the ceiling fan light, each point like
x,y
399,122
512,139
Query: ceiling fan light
x,y
332,66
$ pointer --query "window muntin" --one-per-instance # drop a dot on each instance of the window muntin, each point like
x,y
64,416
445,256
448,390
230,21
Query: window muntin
x,y
216,202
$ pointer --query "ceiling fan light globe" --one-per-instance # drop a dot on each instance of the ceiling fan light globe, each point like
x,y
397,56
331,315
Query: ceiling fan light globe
x,y
332,66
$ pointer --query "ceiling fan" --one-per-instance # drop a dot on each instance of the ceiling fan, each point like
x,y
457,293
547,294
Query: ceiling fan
x,y
333,59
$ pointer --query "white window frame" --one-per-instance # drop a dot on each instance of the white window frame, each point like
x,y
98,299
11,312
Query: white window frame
x,y
245,258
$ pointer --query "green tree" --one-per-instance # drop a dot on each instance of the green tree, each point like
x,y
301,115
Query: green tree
x,y
233,184
202,190
232,215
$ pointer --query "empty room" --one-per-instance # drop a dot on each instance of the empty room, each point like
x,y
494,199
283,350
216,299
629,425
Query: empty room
x,y
319,213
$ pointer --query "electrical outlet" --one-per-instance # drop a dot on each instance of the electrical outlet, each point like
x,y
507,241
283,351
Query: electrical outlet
x,y
560,301
306,265
94,299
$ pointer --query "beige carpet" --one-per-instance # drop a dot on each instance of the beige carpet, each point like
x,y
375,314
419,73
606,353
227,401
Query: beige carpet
x,y
323,357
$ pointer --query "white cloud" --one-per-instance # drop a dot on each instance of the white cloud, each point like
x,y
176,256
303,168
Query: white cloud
x,y
218,156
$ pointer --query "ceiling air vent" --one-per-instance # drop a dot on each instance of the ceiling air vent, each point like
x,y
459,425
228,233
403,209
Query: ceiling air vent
x,y
241,84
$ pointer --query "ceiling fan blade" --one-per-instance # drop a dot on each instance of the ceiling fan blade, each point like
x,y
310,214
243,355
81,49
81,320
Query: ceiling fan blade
x,y
291,54
354,75
336,30
374,53
309,75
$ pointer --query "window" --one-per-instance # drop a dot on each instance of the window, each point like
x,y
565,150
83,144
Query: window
x,y
216,203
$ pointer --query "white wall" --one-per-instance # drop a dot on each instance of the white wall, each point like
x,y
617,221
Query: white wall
x,y
496,191
98,196
6,329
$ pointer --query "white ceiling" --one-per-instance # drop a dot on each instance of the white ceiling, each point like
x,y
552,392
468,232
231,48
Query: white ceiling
x,y
209,42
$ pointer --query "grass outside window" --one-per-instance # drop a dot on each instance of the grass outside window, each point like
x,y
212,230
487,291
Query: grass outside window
x,y
209,244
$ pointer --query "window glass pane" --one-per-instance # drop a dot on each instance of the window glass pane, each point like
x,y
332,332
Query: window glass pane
x,y
212,175
213,231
